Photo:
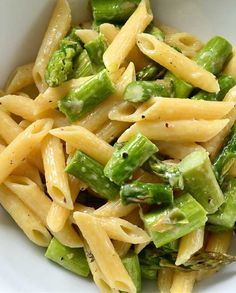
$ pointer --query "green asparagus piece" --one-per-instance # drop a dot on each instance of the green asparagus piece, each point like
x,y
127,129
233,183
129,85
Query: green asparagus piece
x,y
72,259
214,54
81,100
96,49
169,172
113,11
83,66
91,172
156,32
200,181
149,193
226,82
170,247
130,157
168,224
226,158
131,263
141,91
225,217
148,272
151,72
60,65
181,88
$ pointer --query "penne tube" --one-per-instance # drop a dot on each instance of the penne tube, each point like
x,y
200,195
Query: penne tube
x,y
49,99
121,247
177,150
126,38
20,78
230,68
19,105
214,145
24,218
57,29
24,124
122,230
17,151
94,120
55,175
109,263
114,209
109,31
183,282
180,130
84,140
164,280
158,108
177,63
219,242
86,35
189,244
35,199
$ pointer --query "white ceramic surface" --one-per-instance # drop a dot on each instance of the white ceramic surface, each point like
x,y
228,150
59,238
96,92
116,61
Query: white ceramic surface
x,y
22,24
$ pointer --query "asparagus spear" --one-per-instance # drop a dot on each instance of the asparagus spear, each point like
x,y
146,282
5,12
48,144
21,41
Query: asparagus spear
x,y
226,158
214,54
72,259
83,66
149,193
60,65
226,82
156,32
168,224
148,272
131,263
140,91
170,247
130,157
96,49
151,72
168,172
225,217
113,11
81,100
181,88
200,181
91,172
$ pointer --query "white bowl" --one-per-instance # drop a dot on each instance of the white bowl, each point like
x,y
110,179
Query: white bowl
x,y
22,24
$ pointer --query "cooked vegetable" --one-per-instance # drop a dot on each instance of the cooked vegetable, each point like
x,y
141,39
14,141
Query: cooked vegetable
x,y
83,66
181,88
91,172
156,32
130,157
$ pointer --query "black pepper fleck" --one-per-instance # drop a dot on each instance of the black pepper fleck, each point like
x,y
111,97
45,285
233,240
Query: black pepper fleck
x,y
167,125
64,199
143,116
125,155
62,258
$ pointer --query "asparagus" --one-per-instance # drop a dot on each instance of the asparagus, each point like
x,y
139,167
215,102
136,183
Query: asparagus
x,y
170,247
72,259
96,49
113,11
200,181
81,100
226,82
150,72
168,172
225,217
148,272
156,32
149,193
168,224
140,91
131,263
83,66
181,88
91,172
60,65
214,54
226,158
130,157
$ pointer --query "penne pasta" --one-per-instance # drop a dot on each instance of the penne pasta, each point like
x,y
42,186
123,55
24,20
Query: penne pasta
x,y
109,263
177,63
219,242
86,35
21,78
158,108
17,151
164,280
183,282
189,244
24,218
86,141
126,38
180,130
121,247
56,178
58,27
230,68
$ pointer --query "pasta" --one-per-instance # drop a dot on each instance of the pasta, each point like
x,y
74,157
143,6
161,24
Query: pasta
x,y
118,149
